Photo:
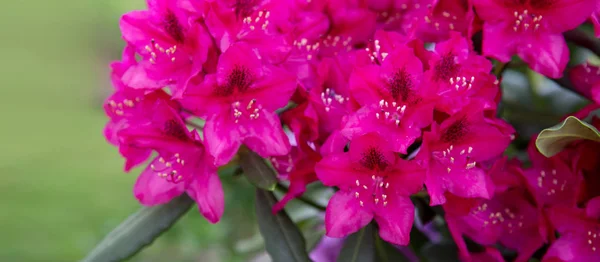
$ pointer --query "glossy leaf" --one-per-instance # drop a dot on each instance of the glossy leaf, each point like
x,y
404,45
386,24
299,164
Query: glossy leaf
x,y
552,140
360,246
283,239
139,230
257,171
440,252
387,252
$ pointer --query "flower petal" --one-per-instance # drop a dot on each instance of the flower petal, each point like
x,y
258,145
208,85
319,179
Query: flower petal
x,y
207,191
222,138
344,215
265,136
546,54
150,189
395,220
337,170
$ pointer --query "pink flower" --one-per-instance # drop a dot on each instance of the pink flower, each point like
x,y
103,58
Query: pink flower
x,y
457,75
596,19
531,29
394,104
582,160
452,151
182,164
349,24
330,98
403,16
579,233
238,103
128,106
299,165
261,24
350,21
550,179
586,80
173,48
375,184
301,174
508,218
445,17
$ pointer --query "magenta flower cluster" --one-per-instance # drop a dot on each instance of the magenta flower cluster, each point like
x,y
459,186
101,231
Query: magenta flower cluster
x,y
380,99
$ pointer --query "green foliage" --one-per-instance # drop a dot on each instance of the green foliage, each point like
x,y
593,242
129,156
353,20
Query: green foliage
x,y
140,230
257,171
283,239
445,251
360,246
552,140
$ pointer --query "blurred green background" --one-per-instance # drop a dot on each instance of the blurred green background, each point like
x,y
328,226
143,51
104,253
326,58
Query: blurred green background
x,y
62,187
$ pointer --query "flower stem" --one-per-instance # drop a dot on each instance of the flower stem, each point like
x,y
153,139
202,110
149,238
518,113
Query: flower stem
x,y
307,201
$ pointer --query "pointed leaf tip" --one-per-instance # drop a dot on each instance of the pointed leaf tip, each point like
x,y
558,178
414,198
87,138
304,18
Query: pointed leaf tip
x,y
552,140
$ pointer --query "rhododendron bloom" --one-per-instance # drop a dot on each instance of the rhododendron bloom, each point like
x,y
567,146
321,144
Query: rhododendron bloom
x,y
586,80
531,29
452,151
509,217
258,23
403,16
445,17
394,105
238,102
299,170
596,19
458,76
330,98
299,165
550,179
182,164
127,106
375,184
379,102
173,48
579,233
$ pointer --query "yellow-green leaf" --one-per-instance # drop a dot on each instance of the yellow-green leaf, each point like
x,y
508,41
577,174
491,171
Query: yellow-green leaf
x,y
552,140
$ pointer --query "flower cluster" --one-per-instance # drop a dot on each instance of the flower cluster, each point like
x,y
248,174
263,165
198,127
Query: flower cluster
x,y
556,194
354,95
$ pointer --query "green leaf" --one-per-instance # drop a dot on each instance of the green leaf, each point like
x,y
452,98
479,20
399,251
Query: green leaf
x,y
360,246
387,252
257,171
139,230
444,251
283,240
552,140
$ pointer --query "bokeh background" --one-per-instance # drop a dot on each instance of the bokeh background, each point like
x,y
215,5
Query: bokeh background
x,y
62,187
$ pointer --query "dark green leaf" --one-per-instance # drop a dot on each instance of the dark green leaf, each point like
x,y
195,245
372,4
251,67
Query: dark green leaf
x,y
552,140
441,252
257,171
387,252
139,230
360,246
283,239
